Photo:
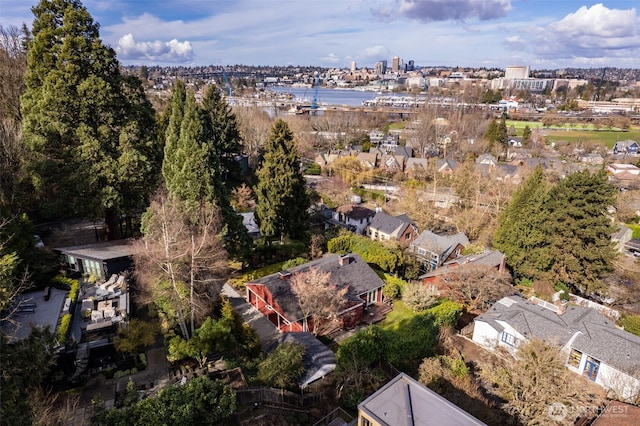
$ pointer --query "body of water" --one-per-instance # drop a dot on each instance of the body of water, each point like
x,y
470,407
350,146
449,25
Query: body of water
x,y
327,96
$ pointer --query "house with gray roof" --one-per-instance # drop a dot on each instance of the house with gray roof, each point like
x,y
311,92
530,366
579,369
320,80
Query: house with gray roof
x,y
384,227
629,147
590,343
100,260
354,217
405,401
433,250
275,299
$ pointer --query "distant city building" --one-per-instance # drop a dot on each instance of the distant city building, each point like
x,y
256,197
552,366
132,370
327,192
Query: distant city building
x,y
395,64
516,71
409,66
381,67
353,67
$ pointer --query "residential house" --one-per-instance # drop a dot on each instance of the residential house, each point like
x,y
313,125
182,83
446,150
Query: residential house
x,y
618,413
622,168
354,217
629,147
493,258
326,158
487,160
368,160
590,343
446,166
100,260
376,137
384,227
433,250
249,222
592,158
273,297
416,167
393,163
405,401
515,142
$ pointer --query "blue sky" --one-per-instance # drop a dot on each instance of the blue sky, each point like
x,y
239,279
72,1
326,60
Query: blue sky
x,y
490,33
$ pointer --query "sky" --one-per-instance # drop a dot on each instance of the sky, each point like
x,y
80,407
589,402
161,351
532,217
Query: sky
x,y
543,34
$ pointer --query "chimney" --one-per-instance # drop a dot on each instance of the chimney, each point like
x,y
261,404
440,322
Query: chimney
x,y
344,259
284,274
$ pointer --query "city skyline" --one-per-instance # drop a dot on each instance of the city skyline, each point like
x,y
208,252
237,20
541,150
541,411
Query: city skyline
x,y
331,33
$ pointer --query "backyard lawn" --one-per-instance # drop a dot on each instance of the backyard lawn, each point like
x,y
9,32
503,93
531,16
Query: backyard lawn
x,y
394,318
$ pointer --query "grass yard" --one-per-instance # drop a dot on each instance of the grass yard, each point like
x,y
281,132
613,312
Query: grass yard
x,y
239,280
578,132
635,228
394,318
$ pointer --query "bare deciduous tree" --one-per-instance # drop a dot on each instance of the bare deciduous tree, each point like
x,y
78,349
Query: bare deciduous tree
x,y
180,262
478,286
318,297
537,378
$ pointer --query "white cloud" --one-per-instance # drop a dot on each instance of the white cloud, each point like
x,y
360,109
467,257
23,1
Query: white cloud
x,y
160,51
373,54
331,58
592,33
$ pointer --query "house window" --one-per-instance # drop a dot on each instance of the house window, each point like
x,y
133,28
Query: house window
x,y
574,358
422,251
591,368
92,268
365,422
507,338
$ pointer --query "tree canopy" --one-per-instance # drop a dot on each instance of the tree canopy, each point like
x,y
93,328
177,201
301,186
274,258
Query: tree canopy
x,y
560,233
89,131
283,202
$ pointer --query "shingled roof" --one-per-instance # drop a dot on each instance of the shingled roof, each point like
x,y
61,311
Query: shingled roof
x,y
354,274
584,329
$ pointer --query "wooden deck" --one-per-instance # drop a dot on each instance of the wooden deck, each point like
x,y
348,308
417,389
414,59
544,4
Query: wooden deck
x,y
375,313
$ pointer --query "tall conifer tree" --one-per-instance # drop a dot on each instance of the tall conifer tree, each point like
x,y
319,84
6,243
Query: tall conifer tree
x,y
192,166
89,131
283,202
520,234
579,231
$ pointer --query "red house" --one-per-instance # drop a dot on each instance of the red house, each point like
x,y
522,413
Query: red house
x,y
273,297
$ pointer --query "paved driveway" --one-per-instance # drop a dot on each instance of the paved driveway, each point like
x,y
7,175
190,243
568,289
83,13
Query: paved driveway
x,y
267,332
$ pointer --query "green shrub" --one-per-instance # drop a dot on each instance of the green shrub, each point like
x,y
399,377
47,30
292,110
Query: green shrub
x,y
63,328
524,282
387,257
70,284
631,323
392,290
447,312
560,286
292,263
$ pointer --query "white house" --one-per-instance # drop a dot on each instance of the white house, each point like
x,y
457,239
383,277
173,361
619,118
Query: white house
x,y
590,342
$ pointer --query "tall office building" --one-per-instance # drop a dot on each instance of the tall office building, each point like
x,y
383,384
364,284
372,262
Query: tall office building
x,y
353,66
395,64
381,67
410,66
516,71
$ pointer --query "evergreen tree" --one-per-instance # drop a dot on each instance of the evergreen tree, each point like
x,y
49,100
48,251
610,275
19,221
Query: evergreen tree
x,y
283,202
520,234
579,231
169,125
221,132
526,136
89,131
192,168
492,132
187,173
503,134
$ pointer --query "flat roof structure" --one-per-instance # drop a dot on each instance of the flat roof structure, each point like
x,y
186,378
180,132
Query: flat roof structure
x,y
406,402
34,311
